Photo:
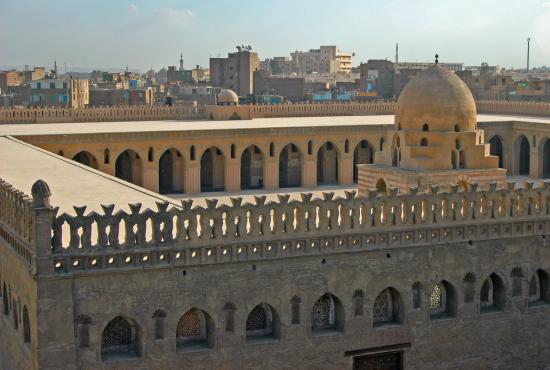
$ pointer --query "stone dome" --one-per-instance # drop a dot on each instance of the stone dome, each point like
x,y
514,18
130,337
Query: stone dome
x,y
436,100
228,97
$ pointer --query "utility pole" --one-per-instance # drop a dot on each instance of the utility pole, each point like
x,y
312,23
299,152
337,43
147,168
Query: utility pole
x,y
528,42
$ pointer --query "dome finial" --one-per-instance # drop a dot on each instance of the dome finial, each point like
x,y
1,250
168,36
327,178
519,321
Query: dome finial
x,y
436,58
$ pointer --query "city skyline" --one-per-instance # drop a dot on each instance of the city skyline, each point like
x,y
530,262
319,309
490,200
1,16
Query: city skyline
x,y
154,34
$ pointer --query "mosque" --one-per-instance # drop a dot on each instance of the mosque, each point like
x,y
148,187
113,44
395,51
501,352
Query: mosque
x,y
404,241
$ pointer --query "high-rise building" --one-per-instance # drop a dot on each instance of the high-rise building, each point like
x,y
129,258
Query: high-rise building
x,y
236,71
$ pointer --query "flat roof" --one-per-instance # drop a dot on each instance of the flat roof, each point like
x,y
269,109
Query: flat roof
x,y
38,129
71,183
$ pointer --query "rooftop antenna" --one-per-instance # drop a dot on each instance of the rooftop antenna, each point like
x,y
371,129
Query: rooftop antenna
x,y
528,42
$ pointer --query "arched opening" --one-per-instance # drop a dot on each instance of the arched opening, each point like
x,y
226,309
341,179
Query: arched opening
x,y
387,308
381,185
150,156
119,339
396,151
327,164
106,156
362,154
523,155
252,168
496,149
262,323
424,142
26,326
443,301
128,167
457,128
86,158
327,315
545,160
290,167
171,172
346,146
212,170
492,296
425,127
195,331
538,289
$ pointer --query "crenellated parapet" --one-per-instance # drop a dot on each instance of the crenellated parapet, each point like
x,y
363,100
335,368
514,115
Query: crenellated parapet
x,y
196,235
17,225
514,107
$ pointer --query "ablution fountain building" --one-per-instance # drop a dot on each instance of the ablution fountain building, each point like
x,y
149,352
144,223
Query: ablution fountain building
x,y
318,237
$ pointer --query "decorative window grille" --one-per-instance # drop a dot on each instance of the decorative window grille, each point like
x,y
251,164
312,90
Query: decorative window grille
x,y
322,314
190,325
383,308
436,301
118,338
260,321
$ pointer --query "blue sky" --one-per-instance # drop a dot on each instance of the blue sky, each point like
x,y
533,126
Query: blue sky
x,y
144,33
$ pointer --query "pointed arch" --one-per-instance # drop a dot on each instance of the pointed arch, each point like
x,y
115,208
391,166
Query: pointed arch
x,y
171,172
538,288
496,149
327,164
327,315
492,296
128,167
252,168
362,154
261,323
212,170
86,158
443,300
290,166
120,339
523,155
195,330
387,308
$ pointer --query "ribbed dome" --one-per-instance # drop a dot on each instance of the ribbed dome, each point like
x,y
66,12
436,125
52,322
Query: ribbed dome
x,y
228,97
437,98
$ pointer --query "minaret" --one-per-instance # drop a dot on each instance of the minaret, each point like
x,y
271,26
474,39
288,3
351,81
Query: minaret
x,y
181,62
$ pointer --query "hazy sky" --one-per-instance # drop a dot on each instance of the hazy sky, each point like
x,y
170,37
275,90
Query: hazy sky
x,y
141,34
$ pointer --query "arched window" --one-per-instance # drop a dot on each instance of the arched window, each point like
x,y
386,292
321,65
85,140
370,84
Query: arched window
x,y
119,339
424,142
309,148
442,301
106,156
495,145
346,146
159,317
381,144
26,326
457,128
386,309
326,315
492,295
233,151
362,154
194,331
261,323
469,281
425,127
192,153
417,295
381,185
86,158
517,281
524,156
6,300
150,155
538,288
271,150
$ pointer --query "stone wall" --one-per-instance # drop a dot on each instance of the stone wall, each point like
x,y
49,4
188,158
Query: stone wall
x,y
18,308
46,115
225,260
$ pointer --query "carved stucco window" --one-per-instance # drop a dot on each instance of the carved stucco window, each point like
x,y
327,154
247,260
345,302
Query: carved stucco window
x,y
437,299
325,314
193,330
261,323
119,339
382,310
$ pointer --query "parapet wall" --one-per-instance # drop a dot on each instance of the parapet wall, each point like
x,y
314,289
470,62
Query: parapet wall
x,y
273,230
17,222
106,114
513,107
